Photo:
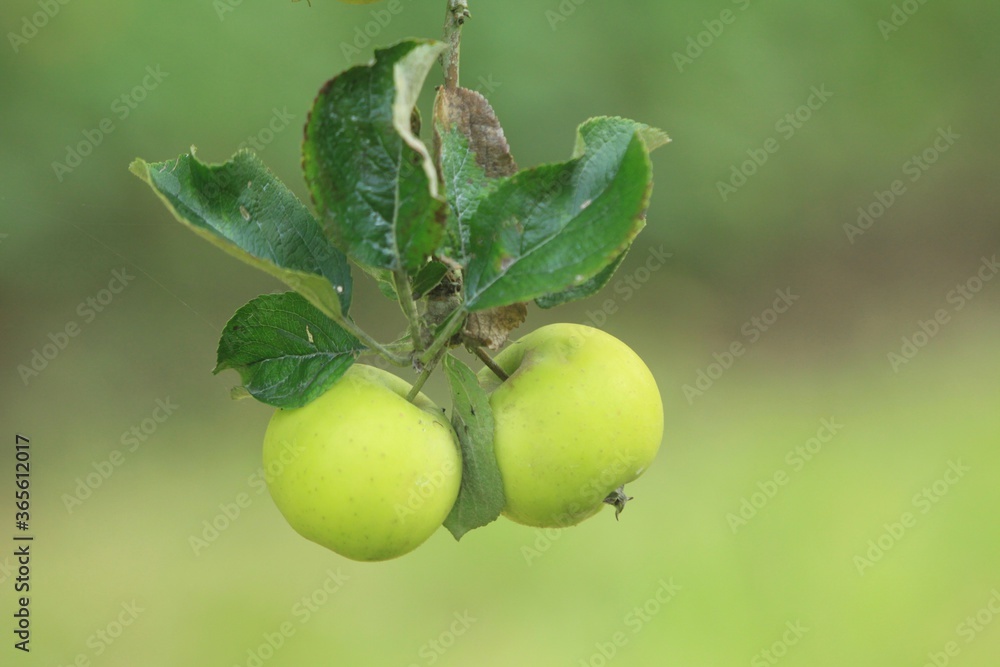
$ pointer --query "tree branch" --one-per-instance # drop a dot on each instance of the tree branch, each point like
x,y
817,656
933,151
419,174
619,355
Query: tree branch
x,y
405,295
451,327
458,14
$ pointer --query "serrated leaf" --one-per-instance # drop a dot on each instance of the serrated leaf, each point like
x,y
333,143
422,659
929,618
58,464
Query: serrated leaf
x,y
286,351
471,152
242,208
584,289
481,497
547,229
653,138
371,178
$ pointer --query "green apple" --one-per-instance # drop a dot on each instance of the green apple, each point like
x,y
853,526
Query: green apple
x,y
579,416
361,470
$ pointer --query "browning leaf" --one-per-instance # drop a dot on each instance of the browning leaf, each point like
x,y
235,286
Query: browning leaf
x,y
468,112
490,328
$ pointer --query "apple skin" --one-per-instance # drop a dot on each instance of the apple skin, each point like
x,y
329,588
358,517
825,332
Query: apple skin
x,y
579,416
362,471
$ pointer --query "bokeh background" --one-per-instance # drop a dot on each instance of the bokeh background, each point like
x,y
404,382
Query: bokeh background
x,y
869,552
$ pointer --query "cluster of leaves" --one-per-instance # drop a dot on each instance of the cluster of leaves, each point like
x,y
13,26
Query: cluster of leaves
x,y
457,227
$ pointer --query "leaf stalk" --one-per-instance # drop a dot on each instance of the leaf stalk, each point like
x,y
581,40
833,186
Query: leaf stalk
x,y
365,337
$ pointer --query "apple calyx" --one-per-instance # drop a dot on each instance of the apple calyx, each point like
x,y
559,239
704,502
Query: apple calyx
x,y
617,498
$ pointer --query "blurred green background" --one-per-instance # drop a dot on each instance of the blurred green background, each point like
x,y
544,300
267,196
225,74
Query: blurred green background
x,y
595,594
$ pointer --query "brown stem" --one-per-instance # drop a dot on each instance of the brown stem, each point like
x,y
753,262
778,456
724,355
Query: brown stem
x,y
458,14
492,365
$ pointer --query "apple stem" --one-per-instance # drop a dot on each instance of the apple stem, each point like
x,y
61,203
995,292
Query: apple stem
x,y
492,365
424,374
458,14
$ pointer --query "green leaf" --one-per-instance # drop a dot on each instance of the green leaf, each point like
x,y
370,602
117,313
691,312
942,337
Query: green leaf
x,y
472,154
584,289
428,278
653,138
286,351
554,227
372,179
481,497
466,186
242,208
